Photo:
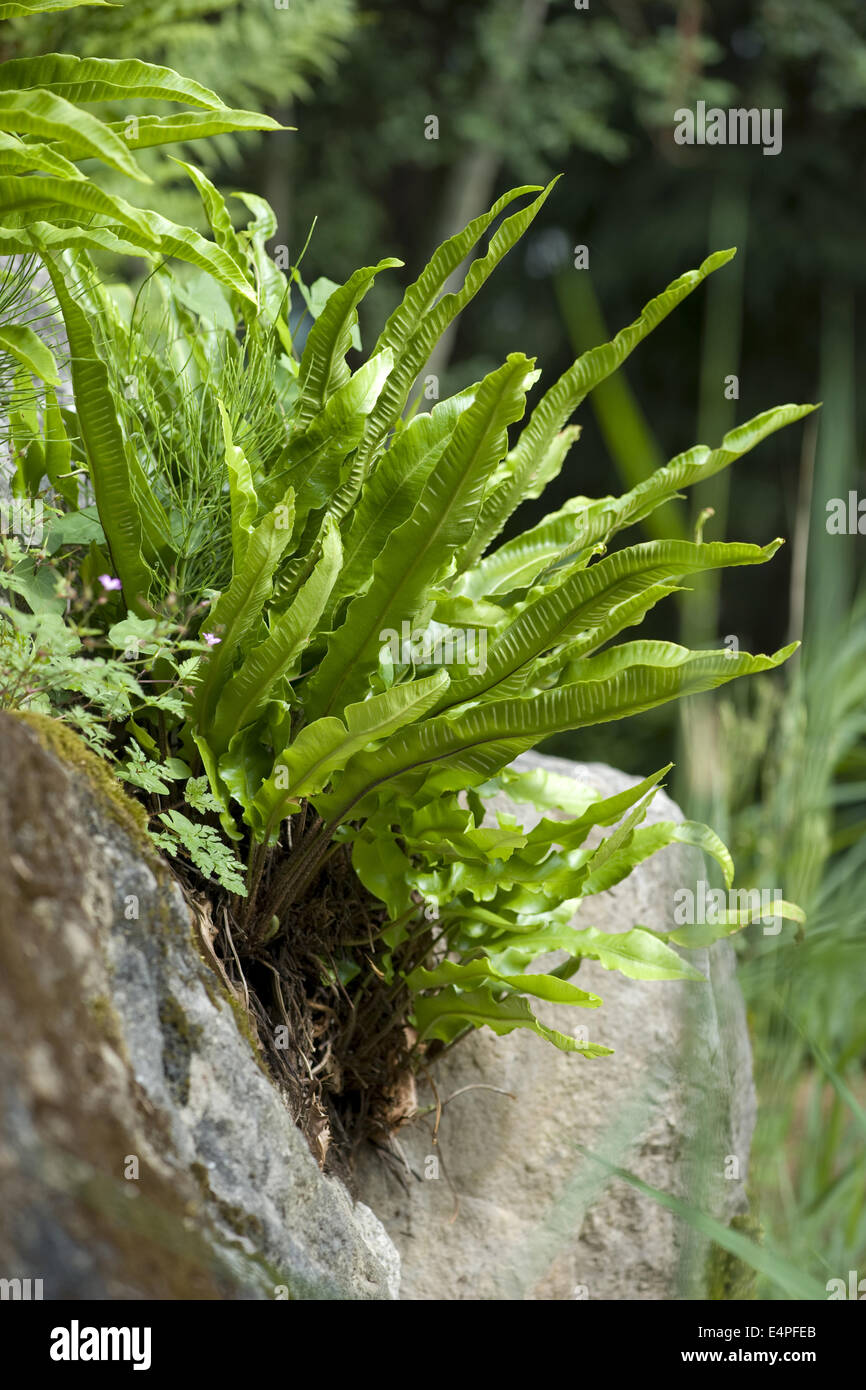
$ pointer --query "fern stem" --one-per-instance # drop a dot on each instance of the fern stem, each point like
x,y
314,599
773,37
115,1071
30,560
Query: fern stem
x,y
256,867
297,873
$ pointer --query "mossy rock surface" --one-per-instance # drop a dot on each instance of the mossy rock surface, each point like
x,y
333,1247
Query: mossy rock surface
x,y
58,738
145,1153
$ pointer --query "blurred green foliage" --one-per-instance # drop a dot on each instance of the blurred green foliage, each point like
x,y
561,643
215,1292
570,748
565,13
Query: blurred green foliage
x,y
257,55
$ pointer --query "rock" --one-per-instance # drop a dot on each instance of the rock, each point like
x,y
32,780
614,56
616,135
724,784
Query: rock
x,y
121,1054
519,1210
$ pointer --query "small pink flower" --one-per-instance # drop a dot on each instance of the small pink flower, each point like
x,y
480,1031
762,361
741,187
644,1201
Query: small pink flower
x,y
108,582
211,640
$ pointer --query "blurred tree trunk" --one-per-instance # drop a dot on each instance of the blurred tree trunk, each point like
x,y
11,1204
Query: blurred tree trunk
x,y
470,185
277,177
628,436
830,567
717,412
700,764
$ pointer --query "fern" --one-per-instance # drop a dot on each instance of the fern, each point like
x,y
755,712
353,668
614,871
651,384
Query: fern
x,y
202,843
287,52
270,513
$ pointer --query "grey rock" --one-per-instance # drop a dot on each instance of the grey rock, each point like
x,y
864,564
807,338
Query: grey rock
x,y
521,1208
119,1047
381,1244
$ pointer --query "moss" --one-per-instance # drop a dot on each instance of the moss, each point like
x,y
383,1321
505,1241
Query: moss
x,y
248,1226
216,991
179,1038
62,741
729,1279
58,738
158,1236
208,987
104,1015
242,1020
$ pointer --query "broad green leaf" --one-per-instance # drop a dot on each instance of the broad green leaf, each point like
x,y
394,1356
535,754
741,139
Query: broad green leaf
x,y
242,493
478,742
483,846
82,288
643,843
20,157
54,118
515,565
602,518
273,296
325,746
647,654
119,505
58,452
566,876
457,611
257,681
28,7
478,972
420,549
217,214
699,934
565,665
698,464
424,313
43,236
384,870
600,811
27,448
32,201
103,79
702,837
20,342
264,223
393,489
323,368
314,459
634,953
238,609
559,403
147,131
584,599
547,790
74,528
447,1014
133,633
237,772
